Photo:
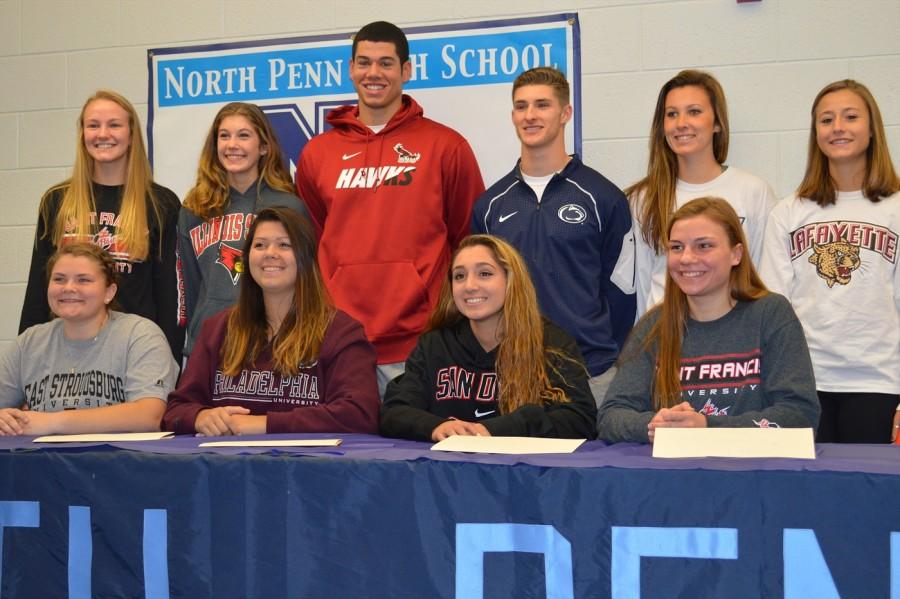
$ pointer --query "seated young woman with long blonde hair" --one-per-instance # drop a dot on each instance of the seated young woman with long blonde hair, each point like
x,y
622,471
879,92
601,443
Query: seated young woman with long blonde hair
x,y
720,350
489,364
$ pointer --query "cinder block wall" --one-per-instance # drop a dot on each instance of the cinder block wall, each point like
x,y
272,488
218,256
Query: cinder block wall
x,y
771,56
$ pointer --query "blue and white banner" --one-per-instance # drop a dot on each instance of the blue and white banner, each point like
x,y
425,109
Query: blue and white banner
x,y
462,75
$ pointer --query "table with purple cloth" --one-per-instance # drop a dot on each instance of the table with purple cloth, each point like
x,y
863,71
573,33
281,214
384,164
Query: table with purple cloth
x,y
376,517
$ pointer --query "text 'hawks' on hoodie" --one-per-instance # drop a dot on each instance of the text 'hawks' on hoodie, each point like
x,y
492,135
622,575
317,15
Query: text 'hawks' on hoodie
x,y
389,208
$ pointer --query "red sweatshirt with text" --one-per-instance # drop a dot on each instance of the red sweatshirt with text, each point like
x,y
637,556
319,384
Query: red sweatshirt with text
x,y
389,207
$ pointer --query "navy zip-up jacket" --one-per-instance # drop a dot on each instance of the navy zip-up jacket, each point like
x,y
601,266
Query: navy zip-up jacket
x,y
571,241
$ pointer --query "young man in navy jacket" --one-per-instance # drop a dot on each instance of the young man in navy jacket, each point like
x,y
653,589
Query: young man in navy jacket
x,y
568,221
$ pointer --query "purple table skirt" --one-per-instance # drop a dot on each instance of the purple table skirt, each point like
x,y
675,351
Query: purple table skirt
x,y
874,459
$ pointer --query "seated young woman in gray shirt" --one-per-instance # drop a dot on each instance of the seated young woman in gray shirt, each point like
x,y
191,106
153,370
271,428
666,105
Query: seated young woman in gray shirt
x,y
720,350
91,369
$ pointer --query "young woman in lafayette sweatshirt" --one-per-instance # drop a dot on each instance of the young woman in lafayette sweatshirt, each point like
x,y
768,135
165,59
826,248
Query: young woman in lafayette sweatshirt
x,y
241,172
831,248
111,200
720,350
489,364
283,359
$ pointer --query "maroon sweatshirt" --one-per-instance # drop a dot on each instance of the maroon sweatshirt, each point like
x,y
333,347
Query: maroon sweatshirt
x,y
335,394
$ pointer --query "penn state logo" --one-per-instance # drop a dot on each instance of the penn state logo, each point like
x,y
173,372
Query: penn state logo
x,y
572,214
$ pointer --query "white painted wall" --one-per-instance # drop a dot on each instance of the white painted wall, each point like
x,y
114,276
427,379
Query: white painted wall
x,y
771,56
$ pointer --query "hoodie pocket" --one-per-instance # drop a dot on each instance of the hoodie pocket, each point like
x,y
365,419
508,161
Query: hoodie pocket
x,y
389,298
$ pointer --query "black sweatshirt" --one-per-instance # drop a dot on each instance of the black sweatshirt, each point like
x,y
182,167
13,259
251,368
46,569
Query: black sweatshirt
x,y
147,288
449,375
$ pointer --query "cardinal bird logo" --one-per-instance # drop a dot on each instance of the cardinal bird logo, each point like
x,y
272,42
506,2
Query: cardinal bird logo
x,y
231,259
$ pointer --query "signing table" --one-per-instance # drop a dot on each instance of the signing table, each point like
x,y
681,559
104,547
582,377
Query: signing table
x,y
379,517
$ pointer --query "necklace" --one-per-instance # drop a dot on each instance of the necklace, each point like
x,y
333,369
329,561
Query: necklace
x,y
81,346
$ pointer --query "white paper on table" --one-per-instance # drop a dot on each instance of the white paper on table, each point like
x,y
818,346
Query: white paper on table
x,y
104,437
507,445
734,443
275,443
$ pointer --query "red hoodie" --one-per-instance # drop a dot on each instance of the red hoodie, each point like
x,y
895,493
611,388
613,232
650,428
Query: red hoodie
x,y
389,207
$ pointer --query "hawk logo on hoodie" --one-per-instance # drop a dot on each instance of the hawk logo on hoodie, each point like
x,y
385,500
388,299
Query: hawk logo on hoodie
x,y
404,156
232,260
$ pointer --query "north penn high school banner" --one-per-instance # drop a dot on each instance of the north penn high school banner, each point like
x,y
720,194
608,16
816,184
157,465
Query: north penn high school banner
x,y
462,76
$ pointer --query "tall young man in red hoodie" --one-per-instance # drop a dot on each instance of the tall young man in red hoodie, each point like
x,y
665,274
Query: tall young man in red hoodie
x,y
391,195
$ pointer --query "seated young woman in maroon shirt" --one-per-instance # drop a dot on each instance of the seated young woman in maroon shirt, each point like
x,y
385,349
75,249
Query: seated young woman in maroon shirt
x,y
283,359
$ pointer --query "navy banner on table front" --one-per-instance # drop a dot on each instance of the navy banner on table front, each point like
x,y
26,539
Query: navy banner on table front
x,y
383,518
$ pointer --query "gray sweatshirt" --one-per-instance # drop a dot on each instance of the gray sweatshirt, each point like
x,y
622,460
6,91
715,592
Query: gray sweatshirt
x,y
129,359
750,367
210,253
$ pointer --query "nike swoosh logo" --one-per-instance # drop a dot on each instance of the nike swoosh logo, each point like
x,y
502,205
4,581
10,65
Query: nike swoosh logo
x,y
349,156
480,414
506,216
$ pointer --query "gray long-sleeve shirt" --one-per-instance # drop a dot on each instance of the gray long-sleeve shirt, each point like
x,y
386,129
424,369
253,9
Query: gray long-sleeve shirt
x,y
750,367
211,250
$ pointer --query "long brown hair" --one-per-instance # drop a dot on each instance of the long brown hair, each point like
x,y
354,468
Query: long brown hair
x,y
210,193
299,339
653,197
78,202
881,179
667,332
521,356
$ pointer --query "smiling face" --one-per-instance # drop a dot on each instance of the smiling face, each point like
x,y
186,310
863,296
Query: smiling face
x,y
78,291
107,133
239,149
843,130
539,116
689,122
378,76
479,285
273,264
700,258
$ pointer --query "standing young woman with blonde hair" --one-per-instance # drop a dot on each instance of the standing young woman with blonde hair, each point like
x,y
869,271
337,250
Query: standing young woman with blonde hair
x,y
688,149
112,201
831,248
241,172
489,364
719,351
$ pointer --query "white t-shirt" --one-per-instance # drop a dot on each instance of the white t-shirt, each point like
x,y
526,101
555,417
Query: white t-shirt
x,y
537,184
752,199
838,265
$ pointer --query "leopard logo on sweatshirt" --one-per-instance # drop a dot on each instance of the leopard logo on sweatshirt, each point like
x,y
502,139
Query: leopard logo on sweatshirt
x,y
835,261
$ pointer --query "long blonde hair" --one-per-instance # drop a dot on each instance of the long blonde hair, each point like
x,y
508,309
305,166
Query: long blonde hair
x,y
667,333
881,179
299,339
521,356
653,197
210,193
73,217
